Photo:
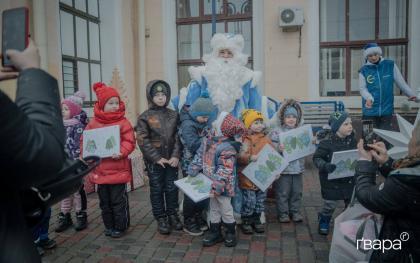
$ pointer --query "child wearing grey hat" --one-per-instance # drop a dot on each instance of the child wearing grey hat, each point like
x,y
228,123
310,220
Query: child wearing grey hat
x,y
340,138
194,126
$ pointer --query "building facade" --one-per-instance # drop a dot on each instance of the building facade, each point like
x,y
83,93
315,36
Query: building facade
x,y
83,41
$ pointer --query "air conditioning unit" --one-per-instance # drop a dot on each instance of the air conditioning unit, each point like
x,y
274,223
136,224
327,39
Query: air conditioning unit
x,y
290,17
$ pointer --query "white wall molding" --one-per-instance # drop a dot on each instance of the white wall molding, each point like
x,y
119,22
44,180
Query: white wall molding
x,y
414,45
170,69
258,39
313,48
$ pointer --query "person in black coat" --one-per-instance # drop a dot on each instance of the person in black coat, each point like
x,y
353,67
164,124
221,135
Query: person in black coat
x,y
397,198
341,138
32,136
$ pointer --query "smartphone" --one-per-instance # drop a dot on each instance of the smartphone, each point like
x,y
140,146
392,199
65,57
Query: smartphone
x,y
367,133
15,31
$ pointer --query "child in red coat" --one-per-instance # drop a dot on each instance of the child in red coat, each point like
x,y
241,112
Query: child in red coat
x,y
113,174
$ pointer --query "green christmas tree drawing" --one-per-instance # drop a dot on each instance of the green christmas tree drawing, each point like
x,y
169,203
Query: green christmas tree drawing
x,y
262,174
345,165
301,141
198,185
110,143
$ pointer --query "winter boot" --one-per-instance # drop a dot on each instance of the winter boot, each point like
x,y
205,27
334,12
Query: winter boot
x,y
163,226
64,222
230,236
81,220
191,227
47,243
214,236
201,222
117,233
246,225
258,226
324,224
175,222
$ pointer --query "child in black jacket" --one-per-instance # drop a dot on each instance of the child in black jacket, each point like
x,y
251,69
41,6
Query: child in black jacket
x,y
341,138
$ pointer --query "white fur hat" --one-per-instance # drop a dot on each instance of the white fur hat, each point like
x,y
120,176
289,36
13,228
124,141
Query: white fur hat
x,y
234,43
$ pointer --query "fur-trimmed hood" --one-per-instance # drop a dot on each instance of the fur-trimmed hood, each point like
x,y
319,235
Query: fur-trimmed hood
x,y
197,73
278,119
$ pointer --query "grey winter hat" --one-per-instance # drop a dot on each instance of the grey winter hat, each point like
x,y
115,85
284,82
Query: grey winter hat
x,y
336,120
202,106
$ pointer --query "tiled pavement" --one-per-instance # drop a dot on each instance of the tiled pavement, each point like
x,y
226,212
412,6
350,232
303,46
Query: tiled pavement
x,y
281,243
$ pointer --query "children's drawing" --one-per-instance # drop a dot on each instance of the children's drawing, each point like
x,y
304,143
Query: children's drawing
x,y
197,188
91,146
102,142
265,170
345,162
110,143
297,142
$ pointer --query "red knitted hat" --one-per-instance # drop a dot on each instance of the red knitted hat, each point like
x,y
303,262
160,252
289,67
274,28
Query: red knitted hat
x,y
231,126
104,93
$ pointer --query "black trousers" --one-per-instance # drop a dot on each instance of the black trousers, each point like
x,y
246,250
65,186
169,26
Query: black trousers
x,y
83,198
191,209
163,191
113,201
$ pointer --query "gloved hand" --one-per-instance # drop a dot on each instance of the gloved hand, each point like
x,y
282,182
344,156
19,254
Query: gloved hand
x,y
329,167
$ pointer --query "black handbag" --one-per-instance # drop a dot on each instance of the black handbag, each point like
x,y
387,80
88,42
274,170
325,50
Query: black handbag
x,y
37,199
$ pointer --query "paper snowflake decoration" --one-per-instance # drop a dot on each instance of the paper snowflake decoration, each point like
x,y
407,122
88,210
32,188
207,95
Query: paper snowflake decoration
x,y
399,139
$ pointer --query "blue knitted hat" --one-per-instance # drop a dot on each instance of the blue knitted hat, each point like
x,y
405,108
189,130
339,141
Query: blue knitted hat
x,y
336,120
202,106
291,111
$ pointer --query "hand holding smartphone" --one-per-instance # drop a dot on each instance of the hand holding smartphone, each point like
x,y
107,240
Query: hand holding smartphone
x,y
367,134
15,32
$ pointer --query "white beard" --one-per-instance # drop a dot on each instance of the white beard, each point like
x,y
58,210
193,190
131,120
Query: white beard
x,y
224,79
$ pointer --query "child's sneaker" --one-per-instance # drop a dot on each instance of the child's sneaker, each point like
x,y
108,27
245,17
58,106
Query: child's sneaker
x,y
297,217
246,225
201,222
258,226
46,243
163,226
175,222
284,218
108,232
64,222
81,221
191,227
117,233
323,224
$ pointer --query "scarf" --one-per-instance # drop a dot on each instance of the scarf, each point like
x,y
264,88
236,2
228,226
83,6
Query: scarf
x,y
109,117
407,162
71,122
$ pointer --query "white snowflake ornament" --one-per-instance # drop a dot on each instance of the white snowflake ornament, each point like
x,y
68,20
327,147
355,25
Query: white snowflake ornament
x,y
399,139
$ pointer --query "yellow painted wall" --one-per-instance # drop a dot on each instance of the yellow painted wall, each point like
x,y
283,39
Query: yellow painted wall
x,y
154,43
285,73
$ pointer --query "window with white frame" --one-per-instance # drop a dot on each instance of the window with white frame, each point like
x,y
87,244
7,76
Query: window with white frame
x,y
345,27
80,46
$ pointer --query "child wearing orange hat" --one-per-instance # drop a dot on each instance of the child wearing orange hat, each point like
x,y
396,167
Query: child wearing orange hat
x,y
253,198
113,174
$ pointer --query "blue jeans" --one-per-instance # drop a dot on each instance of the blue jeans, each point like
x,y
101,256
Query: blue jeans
x,y
40,232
